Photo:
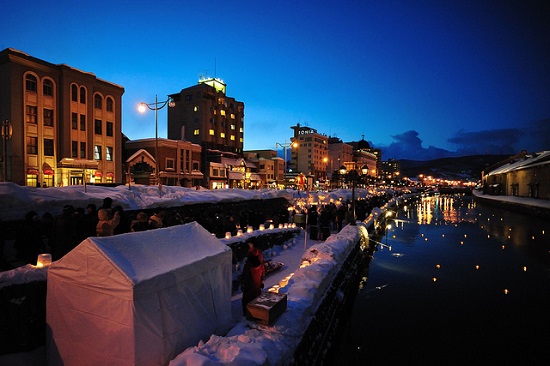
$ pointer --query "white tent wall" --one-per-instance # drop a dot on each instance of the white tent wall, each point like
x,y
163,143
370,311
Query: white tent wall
x,y
138,298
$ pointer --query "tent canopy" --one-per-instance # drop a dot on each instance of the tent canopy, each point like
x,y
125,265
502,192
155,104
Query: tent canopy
x,y
138,298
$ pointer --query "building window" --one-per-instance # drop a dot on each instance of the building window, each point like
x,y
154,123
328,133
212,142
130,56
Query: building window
x,y
196,132
170,164
48,147
82,95
48,117
222,112
82,122
189,97
98,101
232,115
97,152
232,137
109,128
74,149
31,114
98,130
241,129
211,132
74,93
109,104
30,83
196,109
109,153
32,145
240,139
83,150
222,135
233,127
47,88
74,121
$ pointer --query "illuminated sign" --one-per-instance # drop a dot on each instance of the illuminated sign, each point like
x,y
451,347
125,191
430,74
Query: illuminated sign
x,y
306,132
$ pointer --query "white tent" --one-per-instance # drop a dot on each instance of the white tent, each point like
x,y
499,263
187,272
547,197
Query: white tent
x,y
139,298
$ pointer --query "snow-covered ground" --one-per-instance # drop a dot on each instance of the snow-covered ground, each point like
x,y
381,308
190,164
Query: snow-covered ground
x,y
308,265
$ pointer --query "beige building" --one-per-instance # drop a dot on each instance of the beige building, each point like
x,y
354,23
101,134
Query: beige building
x,y
338,153
310,155
523,175
179,162
270,167
65,124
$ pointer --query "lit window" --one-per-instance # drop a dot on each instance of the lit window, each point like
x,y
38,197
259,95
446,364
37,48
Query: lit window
x,y
222,135
30,83
32,145
222,112
196,132
97,152
211,132
109,153
233,127
232,137
241,129
31,114
196,109
240,139
232,115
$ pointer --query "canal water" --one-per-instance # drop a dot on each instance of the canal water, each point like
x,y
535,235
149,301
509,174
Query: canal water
x,y
463,283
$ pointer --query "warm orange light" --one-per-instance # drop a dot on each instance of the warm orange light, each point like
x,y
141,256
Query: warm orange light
x,y
142,108
437,266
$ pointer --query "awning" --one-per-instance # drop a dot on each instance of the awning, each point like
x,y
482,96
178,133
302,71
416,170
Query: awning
x,y
98,174
33,171
47,169
110,175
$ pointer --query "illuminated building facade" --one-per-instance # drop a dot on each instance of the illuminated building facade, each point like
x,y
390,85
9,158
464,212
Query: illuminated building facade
x,y
205,115
310,155
65,123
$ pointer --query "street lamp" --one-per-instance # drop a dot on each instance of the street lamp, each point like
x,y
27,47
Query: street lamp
x,y
156,106
295,146
353,176
7,131
285,146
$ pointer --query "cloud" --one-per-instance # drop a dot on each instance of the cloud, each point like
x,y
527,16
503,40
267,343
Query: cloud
x,y
498,141
409,146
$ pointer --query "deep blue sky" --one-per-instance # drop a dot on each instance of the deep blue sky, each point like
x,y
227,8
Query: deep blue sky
x,y
417,78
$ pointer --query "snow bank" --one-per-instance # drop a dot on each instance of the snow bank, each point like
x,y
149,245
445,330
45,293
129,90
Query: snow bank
x,y
249,343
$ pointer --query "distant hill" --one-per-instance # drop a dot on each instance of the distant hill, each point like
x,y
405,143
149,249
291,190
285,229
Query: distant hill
x,y
464,167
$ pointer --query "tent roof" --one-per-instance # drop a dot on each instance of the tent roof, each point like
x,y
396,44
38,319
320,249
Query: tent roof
x,y
141,256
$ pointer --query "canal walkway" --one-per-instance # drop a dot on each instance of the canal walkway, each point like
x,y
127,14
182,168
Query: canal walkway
x,y
535,206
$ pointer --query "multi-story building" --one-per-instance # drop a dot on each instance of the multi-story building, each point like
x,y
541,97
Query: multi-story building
x,y
338,153
178,162
270,167
205,115
65,123
310,155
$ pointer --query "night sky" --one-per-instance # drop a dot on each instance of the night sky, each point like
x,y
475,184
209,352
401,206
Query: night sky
x,y
419,79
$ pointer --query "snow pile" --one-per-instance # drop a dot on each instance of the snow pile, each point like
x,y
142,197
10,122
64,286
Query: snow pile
x,y
249,343
24,274
16,201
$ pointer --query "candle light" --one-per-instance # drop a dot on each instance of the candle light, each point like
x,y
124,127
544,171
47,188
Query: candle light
x,y
271,226
262,227
249,229
228,235
239,232
44,260
280,226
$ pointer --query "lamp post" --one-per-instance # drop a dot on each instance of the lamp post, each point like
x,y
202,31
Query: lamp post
x,y
285,146
156,106
6,135
353,176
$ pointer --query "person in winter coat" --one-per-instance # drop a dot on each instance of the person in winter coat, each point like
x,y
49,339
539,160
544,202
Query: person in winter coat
x,y
252,280
65,237
141,223
106,224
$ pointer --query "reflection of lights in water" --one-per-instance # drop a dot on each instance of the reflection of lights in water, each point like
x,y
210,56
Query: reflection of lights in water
x,y
461,243
443,235
504,246
425,239
438,266
506,292
477,266
397,255
524,268
434,279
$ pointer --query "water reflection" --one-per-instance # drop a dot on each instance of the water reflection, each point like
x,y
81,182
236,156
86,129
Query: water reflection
x,y
464,283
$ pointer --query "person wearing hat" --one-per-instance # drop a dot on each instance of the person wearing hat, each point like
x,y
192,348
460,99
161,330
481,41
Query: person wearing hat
x,y
106,224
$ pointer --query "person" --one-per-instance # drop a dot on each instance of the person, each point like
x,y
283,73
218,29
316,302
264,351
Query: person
x,y
107,203
106,224
156,220
141,223
124,223
254,250
91,220
251,280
